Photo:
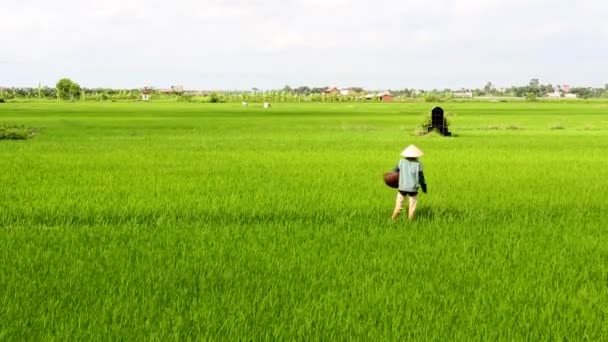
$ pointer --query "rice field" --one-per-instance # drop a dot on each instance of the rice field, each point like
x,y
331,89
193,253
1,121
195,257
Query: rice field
x,y
177,221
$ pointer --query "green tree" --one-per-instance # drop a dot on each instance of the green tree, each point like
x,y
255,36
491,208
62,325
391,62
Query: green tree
x,y
75,91
531,97
431,97
534,83
302,90
582,92
68,89
488,88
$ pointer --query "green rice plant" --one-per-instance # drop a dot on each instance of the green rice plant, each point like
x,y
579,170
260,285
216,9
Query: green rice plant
x,y
16,132
512,127
426,121
491,127
590,127
189,221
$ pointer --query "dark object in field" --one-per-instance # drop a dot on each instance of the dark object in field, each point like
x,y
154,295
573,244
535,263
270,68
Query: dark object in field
x,y
1,100
438,122
391,179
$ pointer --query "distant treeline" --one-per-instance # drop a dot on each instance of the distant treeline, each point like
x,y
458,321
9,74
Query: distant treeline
x,y
85,94
68,90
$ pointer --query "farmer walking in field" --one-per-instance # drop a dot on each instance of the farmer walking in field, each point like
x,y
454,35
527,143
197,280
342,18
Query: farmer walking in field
x,y
410,177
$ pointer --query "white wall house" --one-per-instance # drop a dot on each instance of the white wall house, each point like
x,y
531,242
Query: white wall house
x,y
463,94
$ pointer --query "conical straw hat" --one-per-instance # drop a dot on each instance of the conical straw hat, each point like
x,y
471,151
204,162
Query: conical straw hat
x,y
412,152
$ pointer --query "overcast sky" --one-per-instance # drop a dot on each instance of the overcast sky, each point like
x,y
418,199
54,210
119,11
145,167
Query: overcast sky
x,y
240,44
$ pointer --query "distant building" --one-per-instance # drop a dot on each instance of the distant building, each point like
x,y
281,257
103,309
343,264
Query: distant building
x,y
331,91
339,91
386,97
566,88
570,96
347,91
554,95
174,89
463,94
145,94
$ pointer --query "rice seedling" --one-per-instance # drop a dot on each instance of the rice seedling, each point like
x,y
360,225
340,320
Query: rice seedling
x,y
16,132
194,221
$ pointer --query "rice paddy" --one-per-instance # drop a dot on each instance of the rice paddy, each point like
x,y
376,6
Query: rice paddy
x,y
179,221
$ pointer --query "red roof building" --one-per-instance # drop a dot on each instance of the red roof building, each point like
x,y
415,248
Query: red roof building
x,y
331,91
386,97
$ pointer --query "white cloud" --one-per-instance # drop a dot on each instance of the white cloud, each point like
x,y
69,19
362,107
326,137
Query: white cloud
x,y
269,43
